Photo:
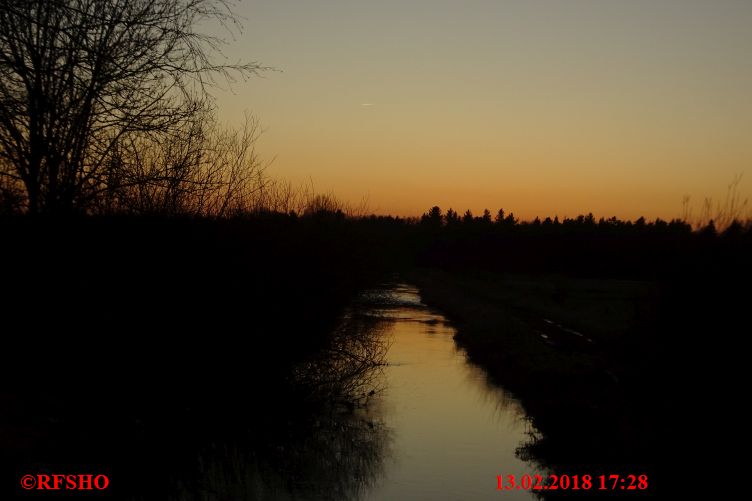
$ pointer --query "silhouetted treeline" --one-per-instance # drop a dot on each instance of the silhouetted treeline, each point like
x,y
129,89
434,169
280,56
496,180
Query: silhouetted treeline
x,y
581,245
141,274
146,282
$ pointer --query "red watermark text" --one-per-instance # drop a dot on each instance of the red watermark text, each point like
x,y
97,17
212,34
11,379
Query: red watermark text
x,y
55,482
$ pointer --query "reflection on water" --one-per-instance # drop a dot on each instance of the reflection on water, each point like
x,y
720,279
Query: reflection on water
x,y
451,431
348,370
318,442
390,409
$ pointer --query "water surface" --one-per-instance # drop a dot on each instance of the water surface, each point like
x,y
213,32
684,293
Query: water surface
x,y
450,431
390,409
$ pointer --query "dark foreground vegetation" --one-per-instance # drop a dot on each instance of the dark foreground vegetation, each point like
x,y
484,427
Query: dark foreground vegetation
x,y
133,344
126,335
172,317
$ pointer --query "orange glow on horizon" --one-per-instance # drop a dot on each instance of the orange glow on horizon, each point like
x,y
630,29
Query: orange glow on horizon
x,y
615,108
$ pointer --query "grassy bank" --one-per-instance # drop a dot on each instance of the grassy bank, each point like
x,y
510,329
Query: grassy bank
x,y
580,354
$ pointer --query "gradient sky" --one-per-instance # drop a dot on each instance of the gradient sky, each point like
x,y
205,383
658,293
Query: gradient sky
x,y
541,107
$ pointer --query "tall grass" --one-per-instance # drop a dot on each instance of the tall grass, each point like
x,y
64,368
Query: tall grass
x,y
733,210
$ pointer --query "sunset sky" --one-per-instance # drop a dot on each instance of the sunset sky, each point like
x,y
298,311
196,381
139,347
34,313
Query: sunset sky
x,y
541,107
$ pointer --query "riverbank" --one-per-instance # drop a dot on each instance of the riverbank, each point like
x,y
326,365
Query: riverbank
x,y
581,355
136,343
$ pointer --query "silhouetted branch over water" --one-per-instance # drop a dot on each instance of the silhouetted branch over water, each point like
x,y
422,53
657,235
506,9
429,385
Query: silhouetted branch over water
x,y
347,370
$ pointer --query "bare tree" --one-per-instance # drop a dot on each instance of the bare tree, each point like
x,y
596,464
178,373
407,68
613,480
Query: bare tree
x,y
203,170
82,81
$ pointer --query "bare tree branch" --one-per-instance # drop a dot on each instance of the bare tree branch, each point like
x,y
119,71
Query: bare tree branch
x,y
83,81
